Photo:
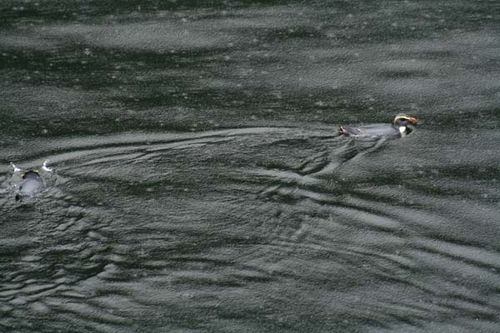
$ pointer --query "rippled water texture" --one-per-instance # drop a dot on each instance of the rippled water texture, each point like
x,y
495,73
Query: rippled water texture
x,y
200,183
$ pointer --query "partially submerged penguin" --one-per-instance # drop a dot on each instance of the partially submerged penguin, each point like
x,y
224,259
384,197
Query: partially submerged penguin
x,y
400,127
32,182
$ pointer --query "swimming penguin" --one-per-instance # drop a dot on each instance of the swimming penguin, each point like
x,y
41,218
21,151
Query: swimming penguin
x,y
400,127
32,182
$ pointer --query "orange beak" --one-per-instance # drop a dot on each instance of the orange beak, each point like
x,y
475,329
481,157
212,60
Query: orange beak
x,y
412,120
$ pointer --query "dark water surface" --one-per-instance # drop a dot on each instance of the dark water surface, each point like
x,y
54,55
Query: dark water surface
x,y
200,183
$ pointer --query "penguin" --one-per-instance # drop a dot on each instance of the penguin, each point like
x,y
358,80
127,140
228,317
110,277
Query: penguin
x,y
401,126
32,182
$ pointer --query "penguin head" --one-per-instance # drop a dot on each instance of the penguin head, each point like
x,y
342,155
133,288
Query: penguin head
x,y
31,174
404,120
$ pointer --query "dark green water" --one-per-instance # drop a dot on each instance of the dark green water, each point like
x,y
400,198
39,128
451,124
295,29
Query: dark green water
x,y
200,184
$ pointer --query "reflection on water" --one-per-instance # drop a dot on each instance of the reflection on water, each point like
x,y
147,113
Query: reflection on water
x,y
200,183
